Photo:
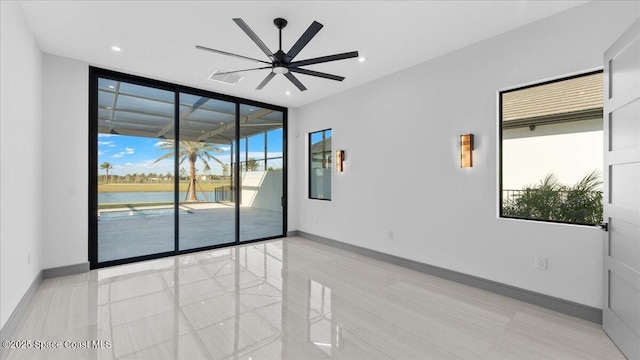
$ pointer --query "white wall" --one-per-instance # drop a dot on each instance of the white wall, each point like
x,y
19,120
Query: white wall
x,y
262,190
568,150
21,170
66,129
402,173
295,174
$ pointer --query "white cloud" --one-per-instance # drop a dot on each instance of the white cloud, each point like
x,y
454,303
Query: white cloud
x,y
103,152
112,145
105,143
146,166
118,155
129,150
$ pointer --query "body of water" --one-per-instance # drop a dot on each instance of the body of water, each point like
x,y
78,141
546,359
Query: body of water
x,y
147,197
151,196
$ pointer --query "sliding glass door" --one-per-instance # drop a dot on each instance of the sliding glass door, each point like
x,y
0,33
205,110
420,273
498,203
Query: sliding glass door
x,y
261,172
134,176
175,169
207,201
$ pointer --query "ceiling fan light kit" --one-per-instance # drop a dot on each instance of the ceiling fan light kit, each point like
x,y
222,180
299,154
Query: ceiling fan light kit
x,y
281,62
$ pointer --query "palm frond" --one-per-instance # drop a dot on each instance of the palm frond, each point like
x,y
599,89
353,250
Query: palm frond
x,y
186,149
591,182
165,156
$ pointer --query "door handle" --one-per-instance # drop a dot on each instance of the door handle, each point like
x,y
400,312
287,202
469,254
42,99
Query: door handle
x,y
603,226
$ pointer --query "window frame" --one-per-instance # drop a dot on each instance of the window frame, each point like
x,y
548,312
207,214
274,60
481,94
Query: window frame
x,y
310,160
500,142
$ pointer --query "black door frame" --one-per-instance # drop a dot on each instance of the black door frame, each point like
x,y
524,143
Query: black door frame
x,y
94,74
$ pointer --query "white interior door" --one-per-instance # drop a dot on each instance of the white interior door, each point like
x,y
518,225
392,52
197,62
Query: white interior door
x,y
621,313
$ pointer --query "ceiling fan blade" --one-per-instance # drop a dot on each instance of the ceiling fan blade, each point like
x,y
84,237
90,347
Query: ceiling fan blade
x,y
266,80
324,59
295,81
303,41
255,38
316,73
237,71
230,54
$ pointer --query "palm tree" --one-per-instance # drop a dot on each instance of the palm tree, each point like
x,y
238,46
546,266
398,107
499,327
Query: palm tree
x,y
252,164
106,166
193,151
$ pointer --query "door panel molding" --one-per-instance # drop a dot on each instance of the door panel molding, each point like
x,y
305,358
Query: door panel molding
x,y
621,274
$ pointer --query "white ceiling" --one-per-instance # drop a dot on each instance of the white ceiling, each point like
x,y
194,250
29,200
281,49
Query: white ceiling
x,y
159,37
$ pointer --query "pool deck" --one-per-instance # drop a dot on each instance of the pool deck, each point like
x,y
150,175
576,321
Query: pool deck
x,y
202,225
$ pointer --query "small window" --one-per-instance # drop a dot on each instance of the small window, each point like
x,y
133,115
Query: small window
x,y
551,151
320,165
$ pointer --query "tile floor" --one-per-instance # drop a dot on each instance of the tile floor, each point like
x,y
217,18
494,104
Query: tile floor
x,y
290,299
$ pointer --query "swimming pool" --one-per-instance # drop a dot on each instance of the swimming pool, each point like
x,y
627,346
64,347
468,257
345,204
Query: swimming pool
x,y
128,214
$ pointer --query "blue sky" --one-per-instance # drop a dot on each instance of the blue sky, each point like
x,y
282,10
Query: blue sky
x,y
131,154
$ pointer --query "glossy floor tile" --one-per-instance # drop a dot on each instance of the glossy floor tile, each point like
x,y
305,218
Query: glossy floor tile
x,y
290,299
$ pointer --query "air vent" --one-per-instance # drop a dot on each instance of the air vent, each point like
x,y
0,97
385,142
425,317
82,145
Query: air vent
x,y
231,79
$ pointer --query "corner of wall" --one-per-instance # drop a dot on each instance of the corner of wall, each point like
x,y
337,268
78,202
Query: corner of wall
x,y
65,111
293,174
21,185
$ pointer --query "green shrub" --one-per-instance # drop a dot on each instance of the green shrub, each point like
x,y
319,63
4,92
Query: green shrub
x,y
550,200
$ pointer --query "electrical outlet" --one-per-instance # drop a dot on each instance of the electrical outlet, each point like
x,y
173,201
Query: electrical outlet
x,y
540,263
390,235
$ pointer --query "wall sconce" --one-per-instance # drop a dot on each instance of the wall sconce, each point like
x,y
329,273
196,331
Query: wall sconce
x,y
340,160
466,151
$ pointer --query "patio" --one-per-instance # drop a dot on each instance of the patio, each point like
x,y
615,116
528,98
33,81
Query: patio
x,y
130,232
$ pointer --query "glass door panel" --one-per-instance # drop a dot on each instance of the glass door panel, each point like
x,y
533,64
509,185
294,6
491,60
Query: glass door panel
x,y
206,197
261,172
135,173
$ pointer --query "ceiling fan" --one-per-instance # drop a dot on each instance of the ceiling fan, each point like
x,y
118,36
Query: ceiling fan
x,y
281,62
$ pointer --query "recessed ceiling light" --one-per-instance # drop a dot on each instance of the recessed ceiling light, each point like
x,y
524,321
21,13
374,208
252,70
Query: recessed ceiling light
x,y
221,123
111,87
361,59
108,107
116,48
288,92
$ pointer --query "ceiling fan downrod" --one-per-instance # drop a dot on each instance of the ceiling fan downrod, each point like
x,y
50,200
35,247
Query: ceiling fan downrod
x,y
280,24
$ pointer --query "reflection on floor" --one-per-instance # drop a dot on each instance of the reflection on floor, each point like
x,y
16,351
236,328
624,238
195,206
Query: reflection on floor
x,y
124,234
291,299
